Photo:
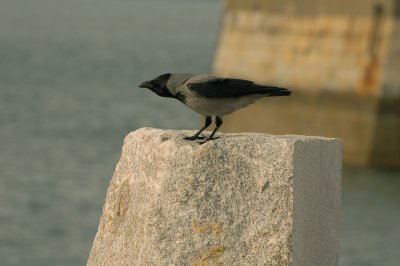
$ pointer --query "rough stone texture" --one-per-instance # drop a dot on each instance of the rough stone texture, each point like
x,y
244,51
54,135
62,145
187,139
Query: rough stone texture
x,y
243,199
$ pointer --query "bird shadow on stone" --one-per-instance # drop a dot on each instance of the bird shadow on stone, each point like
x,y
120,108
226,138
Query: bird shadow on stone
x,y
193,138
202,142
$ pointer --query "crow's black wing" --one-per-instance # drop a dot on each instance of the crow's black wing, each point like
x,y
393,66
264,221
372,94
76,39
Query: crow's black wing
x,y
227,87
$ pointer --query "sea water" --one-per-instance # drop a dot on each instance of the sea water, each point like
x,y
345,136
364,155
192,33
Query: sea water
x,y
69,75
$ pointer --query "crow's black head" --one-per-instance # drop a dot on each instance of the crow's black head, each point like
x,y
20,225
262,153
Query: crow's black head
x,y
158,85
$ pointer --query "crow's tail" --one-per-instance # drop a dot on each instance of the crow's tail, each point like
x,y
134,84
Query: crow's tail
x,y
274,91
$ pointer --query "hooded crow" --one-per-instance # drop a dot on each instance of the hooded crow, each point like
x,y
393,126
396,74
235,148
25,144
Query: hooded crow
x,y
210,96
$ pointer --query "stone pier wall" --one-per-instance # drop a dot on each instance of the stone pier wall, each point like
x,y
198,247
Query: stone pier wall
x,y
340,58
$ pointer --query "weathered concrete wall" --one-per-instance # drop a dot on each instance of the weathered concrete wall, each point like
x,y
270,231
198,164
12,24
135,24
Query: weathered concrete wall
x,y
243,199
312,45
340,58
370,131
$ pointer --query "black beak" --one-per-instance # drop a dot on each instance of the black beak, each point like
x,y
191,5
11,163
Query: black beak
x,y
145,84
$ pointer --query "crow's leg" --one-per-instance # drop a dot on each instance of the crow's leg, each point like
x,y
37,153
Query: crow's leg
x,y
206,124
218,123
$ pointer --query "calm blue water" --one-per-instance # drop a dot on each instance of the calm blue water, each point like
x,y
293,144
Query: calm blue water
x,y
68,95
